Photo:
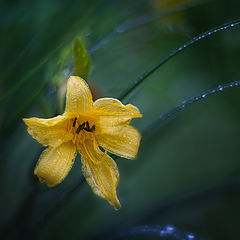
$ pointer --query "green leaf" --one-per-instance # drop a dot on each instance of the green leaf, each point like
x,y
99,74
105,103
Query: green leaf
x,y
82,62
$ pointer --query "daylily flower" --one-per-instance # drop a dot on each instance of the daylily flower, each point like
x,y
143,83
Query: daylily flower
x,y
84,126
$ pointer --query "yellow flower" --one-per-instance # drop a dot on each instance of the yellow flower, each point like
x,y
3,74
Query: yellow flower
x,y
84,126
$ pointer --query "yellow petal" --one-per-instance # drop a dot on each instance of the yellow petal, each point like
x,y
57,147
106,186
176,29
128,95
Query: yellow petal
x,y
79,97
112,130
122,141
55,163
100,171
114,112
50,131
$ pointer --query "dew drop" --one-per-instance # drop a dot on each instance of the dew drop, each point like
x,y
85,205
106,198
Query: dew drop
x,y
190,236
162,233
220,88
50,90
170,229
204,95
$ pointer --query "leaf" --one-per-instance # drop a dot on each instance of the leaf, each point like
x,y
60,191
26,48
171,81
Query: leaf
x,y
82,62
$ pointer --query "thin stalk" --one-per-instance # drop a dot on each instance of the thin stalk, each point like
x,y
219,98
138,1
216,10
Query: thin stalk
x,y
201,36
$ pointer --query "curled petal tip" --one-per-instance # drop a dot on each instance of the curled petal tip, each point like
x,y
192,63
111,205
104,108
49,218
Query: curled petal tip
x,y
117,205
73,79
42,180
25,120
79,97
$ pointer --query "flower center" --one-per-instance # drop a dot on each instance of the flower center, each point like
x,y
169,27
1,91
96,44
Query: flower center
x,y
84,126
81,129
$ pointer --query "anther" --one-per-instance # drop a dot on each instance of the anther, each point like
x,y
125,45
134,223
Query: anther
x,y
83,125
92,128
87,128
80,127
74,122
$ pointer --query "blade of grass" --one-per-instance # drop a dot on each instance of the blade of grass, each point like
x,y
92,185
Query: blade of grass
x,y
193,100
201,36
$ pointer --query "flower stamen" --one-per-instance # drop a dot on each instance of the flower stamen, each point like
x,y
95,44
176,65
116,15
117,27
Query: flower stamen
x,y
80,127
88,129
74,122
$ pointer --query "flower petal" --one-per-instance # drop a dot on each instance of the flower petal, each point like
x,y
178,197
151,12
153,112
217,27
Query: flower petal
x,y
114,112
100,171
122,141
55,163
50,131
112,130
79,97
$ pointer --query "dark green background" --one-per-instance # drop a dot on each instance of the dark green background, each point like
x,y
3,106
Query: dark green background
x,y
187,171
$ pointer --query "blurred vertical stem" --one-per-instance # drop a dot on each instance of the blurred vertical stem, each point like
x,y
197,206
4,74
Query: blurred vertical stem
x,y
195,39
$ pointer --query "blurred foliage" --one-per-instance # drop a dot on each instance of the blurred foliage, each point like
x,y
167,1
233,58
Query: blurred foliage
x,y
187,171
81,60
